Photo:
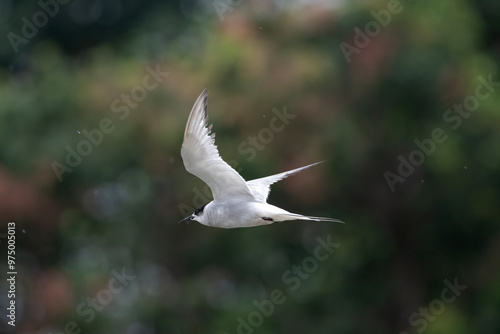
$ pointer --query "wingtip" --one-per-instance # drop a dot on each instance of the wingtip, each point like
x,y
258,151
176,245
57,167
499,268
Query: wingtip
x,y
205,101
314,164
200,104
319,162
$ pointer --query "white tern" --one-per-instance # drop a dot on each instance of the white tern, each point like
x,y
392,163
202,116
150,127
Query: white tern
x,y
236,203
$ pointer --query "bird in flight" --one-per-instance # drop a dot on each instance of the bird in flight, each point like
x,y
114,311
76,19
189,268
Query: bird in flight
x,y
236,203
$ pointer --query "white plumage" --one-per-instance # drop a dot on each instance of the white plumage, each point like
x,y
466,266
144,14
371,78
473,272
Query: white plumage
x,y
236,203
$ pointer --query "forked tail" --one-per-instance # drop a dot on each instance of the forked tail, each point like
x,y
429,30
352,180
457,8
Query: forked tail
x,y
295,216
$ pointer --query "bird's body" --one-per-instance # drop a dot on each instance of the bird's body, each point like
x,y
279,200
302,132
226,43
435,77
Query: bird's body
x,y
237,203
238,213
235,213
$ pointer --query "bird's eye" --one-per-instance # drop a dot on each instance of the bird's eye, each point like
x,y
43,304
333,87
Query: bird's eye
x,y
200,209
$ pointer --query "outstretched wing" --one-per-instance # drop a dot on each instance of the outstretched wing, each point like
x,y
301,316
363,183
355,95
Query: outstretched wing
x,y
201,157
260,188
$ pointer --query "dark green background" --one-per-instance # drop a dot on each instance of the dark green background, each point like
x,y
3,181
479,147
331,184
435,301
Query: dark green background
x,y
119,208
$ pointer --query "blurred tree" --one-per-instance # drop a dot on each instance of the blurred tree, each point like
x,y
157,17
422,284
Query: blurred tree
x,y
86,71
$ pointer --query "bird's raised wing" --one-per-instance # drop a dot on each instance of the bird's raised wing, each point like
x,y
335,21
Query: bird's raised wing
x,y
260,187
201,157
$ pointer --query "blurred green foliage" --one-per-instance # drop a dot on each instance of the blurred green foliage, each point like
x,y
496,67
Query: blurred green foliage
x,y
118,208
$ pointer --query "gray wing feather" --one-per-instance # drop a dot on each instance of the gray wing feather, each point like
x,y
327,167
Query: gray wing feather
x,y
201,157
260,188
